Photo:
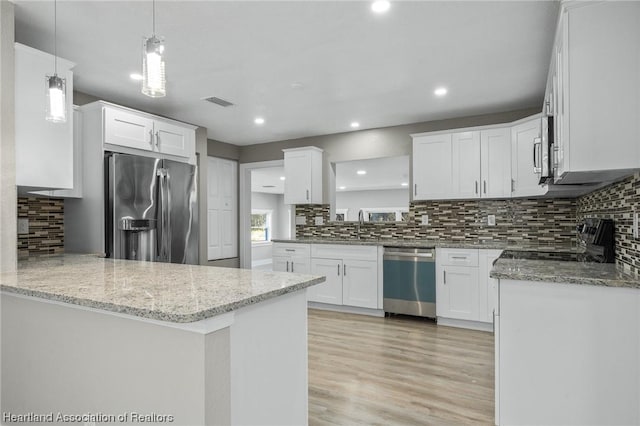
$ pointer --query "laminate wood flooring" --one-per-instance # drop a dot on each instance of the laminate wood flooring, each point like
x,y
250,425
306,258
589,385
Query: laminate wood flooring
x,y
397,371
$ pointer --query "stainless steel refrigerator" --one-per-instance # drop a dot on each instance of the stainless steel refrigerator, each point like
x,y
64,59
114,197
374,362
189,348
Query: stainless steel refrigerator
x,y
151,209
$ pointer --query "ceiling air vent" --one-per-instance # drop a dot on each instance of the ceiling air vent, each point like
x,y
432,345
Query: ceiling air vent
x,y
218,101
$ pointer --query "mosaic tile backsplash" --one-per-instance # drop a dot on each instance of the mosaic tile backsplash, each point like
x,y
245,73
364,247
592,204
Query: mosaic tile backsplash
x,y
617,202
533,221
46,226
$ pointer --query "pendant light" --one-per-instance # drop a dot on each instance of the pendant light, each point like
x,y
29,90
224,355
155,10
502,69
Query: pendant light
x,y
55,87
153,78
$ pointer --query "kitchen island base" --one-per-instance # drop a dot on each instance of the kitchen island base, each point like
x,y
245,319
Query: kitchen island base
x,y
245,367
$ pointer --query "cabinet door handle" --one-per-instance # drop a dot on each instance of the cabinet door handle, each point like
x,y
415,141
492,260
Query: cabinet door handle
x,y
307,195
287,266
415,189
344,270
513,185
158,140
485,186
537,146
292,266
151,137
444,275
476,187
338,269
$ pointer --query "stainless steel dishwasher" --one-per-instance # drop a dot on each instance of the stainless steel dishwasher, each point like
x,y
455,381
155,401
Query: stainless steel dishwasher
x,y
409,284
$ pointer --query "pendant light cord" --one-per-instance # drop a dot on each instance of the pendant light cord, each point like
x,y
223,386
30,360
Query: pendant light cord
x,y
55,37
154,18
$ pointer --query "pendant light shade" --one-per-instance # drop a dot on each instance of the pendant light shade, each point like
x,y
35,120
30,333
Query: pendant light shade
x,y
56,100
55,87
153,78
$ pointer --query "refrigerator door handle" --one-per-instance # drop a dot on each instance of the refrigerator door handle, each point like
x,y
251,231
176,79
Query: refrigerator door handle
x,y
164,242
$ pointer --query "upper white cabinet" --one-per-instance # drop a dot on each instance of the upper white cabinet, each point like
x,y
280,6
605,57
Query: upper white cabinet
x,y
303,175
594,86
432,167
462,165
525,181
132,129
44,150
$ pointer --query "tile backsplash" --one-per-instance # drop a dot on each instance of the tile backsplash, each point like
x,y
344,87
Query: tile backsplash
x,y
531,221
46,226
618,202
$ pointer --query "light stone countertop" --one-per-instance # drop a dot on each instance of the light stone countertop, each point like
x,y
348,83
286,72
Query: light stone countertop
x,y
555,271
434,243
160,291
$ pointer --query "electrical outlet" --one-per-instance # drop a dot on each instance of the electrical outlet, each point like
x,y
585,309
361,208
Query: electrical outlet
x,y
301,220
491,220
23,226
319,220
424,220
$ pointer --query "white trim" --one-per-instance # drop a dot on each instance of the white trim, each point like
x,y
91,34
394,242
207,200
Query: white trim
x,y
346,309
471,325
244,221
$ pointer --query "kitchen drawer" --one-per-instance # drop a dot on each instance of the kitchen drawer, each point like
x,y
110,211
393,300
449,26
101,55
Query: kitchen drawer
x,y
291,249
339,251
457,257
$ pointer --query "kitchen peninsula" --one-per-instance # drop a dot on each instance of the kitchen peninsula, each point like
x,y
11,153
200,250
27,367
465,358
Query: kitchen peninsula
x,y
204,345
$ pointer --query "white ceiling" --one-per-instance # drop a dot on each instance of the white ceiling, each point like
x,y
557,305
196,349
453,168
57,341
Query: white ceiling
x,y
382,173
307,67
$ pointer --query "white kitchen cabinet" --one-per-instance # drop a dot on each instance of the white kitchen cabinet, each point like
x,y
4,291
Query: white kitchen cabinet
x,y
524,135
432,167
352,275
147,133
222,208
570,348
595,79
292,257
465,294
465,147
462,165
303,175
44,150
495,168
329,291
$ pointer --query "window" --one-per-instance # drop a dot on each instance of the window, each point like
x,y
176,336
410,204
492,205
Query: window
x,y
386,214
260,225
341,215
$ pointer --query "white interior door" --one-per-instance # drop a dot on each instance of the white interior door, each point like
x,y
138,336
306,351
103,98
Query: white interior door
x,y
222,212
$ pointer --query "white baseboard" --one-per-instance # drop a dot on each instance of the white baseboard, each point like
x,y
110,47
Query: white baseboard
x,y
346,309
472,325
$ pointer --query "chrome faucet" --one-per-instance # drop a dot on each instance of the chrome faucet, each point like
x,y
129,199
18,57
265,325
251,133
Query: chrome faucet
x,y
360,223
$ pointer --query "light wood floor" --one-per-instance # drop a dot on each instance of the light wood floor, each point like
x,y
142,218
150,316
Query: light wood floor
x,y
397,371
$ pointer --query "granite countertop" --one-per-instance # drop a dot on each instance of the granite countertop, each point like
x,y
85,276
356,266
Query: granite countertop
x,y
482,244
556,271
160,291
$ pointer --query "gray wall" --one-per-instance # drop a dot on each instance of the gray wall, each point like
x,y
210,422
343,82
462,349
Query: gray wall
x,y
8,197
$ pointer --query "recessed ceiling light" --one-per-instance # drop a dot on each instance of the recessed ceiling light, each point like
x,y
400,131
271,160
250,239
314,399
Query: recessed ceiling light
x,y
282,177
355,124
404,184
259,120
342,187
440,91
380,6
135,76
361,172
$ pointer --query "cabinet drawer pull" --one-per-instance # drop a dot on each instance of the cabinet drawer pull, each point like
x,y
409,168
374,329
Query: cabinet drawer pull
x,y
289,249
460,257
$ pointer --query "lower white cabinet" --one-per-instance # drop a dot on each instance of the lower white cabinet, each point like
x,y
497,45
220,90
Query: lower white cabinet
x,y
464,291
352,275
292,257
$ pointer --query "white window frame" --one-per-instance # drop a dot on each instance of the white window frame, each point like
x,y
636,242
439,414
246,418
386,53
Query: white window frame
x,y
397,210
269,214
